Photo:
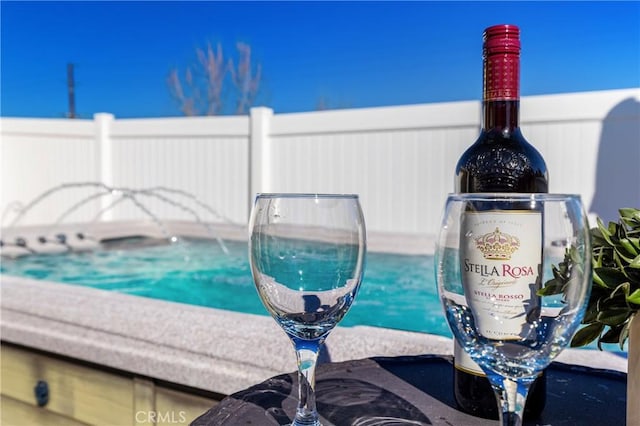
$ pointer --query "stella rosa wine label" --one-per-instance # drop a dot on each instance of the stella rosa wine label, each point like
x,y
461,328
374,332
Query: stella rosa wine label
x,y
500,260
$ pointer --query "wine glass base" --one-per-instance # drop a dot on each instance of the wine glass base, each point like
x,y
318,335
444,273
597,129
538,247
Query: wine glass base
x,y
306,419
306,423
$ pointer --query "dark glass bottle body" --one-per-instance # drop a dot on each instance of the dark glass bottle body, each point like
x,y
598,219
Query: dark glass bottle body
x,y
501,160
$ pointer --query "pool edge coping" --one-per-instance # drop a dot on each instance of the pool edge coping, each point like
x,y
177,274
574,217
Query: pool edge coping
x,y
189,345
179,343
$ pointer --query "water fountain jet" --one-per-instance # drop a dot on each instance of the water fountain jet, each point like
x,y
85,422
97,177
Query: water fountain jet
x,y
163,194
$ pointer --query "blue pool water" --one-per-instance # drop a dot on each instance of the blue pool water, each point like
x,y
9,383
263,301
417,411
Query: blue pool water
x,y
398,291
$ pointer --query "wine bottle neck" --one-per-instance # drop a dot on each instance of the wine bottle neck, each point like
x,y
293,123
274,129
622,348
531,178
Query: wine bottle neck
x,y
501,78
501,115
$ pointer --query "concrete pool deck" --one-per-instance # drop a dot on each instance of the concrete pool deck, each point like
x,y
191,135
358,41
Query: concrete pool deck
x,y
210,349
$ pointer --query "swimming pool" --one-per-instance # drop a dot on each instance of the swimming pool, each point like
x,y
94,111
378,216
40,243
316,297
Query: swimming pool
x,y
205,347
398,291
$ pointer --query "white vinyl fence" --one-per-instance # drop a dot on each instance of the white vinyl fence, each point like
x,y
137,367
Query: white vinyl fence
x,y
400,160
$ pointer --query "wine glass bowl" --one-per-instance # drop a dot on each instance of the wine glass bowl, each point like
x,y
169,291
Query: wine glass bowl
x,y
307,253
514,276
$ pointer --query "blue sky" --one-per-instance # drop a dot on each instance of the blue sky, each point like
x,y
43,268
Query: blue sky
x,y
351,54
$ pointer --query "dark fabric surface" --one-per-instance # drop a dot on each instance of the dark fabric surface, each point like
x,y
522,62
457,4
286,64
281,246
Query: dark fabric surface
x,y
416,390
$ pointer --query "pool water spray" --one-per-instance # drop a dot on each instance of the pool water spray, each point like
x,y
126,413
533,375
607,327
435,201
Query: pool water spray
x,y
121,194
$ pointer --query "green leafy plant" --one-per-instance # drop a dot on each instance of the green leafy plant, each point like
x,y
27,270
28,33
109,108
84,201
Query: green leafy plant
x,y
615,291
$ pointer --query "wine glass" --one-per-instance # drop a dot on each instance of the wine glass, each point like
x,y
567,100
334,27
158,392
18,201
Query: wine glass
x,y
307,254
514,277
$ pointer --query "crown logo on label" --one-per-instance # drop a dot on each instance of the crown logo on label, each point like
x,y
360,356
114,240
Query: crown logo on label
x,y
497,245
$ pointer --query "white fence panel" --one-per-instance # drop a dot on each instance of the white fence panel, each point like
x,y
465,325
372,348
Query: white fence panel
x,y
206,158
39,154
591,144
400,160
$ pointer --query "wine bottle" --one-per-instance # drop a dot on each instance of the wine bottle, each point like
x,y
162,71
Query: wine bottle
x,y
500,160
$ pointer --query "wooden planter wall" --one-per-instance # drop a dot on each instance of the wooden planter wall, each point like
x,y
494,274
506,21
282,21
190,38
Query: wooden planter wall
x,y
633,374
80,394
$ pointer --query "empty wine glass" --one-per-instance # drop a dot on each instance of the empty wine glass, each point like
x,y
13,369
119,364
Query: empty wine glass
x,y
514,277
307,254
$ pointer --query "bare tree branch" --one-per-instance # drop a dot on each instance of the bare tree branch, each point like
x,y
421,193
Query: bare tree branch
x,y
175,87
244,80
200,92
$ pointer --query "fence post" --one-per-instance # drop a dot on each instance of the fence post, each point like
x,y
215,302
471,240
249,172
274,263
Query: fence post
x,y
259,152
104,160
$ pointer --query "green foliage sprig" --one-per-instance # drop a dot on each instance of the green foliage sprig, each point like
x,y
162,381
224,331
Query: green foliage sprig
x,y
615,291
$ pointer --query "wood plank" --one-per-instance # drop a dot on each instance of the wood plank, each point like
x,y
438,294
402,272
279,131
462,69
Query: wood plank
x,y
76,391
633,376
178,408
144,402
18,413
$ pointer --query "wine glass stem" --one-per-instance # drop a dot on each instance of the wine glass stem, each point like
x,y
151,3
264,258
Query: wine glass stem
x,y
512,396
307,354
